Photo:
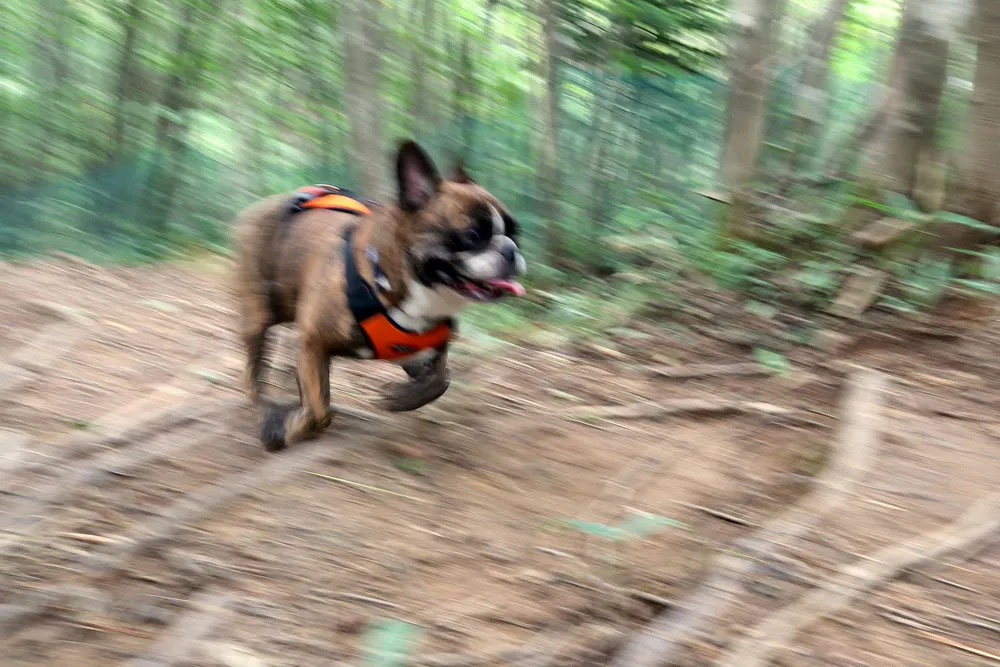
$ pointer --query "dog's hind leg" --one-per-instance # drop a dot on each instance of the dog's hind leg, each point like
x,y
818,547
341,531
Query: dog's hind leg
x,y
255,322
283,427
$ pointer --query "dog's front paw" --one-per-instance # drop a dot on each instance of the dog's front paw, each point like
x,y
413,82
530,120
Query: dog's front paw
x,y
272,427
406,396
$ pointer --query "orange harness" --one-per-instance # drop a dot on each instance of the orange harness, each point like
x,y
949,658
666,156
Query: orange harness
x,y
387,339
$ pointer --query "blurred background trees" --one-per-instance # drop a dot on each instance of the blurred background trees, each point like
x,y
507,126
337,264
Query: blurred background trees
x,y
752,141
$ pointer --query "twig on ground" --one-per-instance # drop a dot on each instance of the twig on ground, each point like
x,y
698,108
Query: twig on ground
x,y
367,487
961,647
677,407
689,371
856,447
976,621
859,577
101,627
719,514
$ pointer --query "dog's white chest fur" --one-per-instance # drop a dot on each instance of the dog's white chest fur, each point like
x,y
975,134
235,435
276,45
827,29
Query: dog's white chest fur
x,y
425,307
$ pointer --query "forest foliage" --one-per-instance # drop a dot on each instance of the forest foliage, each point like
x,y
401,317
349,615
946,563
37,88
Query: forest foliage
x,y
638,140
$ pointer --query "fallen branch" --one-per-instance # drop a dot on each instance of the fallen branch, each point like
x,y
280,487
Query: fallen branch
x,y
701,406
708,371
145,537
177,644
982,519
719,514
856,447
31,512
52,343
961,647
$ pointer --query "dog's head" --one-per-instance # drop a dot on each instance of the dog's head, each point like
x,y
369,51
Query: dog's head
x,y
463,238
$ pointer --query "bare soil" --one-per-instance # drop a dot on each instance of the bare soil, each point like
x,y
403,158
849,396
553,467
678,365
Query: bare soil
x,y
140,519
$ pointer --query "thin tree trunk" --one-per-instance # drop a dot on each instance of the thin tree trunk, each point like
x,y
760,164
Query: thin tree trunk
x,y
179,95
979,181
360,27
51,61
977,189
128,66
460,103
907,141
550,178
419,112
756,27
812,89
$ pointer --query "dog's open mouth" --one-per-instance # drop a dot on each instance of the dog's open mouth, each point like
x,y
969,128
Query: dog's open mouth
x,y
487,290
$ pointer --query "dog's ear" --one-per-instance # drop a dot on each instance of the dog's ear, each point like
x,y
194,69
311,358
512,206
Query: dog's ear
x,y
416,176
459,174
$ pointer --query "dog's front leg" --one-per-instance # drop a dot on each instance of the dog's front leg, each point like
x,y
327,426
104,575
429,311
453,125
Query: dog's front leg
x,y
286,427
429,380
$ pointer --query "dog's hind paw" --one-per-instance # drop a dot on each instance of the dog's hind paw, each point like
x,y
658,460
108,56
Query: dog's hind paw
x,y
272,428
407,396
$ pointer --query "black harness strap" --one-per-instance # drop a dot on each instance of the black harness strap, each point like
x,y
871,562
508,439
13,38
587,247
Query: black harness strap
x,y
361,297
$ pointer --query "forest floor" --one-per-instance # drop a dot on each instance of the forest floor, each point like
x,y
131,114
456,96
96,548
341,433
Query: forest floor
x,y
142,524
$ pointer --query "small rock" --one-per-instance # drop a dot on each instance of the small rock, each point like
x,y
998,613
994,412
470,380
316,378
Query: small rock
x,y
150,610
232,655
351,624
603,351
829,341
633,278
858,292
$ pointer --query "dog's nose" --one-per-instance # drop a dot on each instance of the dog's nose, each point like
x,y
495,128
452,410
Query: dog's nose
x,y
509,254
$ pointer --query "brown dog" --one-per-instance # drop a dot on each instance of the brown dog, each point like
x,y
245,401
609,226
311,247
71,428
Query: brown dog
x,y
379,283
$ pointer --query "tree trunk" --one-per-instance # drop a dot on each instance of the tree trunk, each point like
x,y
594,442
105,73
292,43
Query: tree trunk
x,y
754,43
460,104
978,187
51,73
128,65
907,141
420,121
549,171
179,95
360,27
813,84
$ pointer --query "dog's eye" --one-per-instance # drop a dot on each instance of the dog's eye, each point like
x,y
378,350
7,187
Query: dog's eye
x,y
472,236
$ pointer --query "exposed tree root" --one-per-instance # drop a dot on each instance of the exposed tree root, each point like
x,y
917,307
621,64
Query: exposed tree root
x,y
979,521
856,445
179,642
688,371
80,444
678,407
28,361
210,496
27,515
111,559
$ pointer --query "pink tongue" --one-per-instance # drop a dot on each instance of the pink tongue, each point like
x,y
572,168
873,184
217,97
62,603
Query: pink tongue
x,y
512,286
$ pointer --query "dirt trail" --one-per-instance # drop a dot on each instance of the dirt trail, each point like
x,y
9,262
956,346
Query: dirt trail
x,y
136,502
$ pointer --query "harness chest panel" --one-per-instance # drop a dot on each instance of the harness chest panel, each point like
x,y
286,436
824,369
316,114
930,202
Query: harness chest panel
x,y
386,338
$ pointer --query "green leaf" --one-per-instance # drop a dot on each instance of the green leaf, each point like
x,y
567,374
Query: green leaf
x,y
762,310
984,286
386,642
972,223
593,528
641,524
776,361
900,204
